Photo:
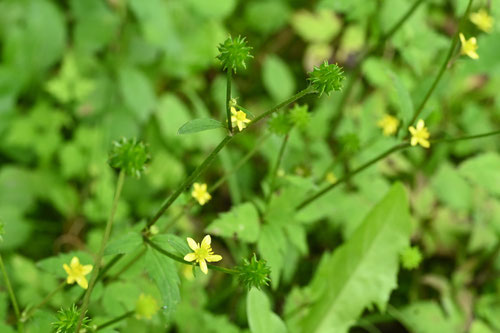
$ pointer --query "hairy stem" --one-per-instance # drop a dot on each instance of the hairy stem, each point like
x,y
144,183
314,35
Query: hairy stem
x,y
20,326
107,233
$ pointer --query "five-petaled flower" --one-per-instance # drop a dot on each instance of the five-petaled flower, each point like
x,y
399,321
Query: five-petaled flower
x,y
469,46
389,124
239,119
202,253
200,193
419,135
482,20
76,272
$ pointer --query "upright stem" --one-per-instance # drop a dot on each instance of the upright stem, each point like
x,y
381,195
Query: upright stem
x,y
451,51
107,233
274,172
27,314
229,76
12,296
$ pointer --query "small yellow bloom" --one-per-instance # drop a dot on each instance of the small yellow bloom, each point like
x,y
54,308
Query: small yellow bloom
x,y
482,20
202,253
200,193
469,46
389,124
76,272
331,178
419,135
239,119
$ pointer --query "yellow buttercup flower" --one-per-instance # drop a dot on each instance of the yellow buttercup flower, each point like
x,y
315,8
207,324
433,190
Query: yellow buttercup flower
x,y
202,253
482,20
76,272
389,124
469,46
200,193
239,119
419,135
331,178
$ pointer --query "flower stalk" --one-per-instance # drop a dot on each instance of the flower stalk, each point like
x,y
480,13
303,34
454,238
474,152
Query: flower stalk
x,y
20,326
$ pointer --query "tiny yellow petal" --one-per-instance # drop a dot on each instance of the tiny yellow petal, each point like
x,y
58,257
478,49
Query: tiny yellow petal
x,y
190,257
82,282
192,244
214,258
207,240
203,266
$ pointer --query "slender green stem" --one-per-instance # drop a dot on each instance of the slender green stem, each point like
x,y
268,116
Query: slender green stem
x,y
107,233
276,167
114,321
181,260
229,76
12,296
388,152
29,312
451,51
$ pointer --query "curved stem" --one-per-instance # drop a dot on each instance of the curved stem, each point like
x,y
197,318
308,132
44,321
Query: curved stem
x,y
29,312
182,261
107,233
451,51
114,321
274,172
12,296
228,99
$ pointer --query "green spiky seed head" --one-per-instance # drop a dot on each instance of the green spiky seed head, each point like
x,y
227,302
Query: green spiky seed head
x,y
130,156
411,257
146,307
67,321
254,273
280,124
326,78
300,116
234,53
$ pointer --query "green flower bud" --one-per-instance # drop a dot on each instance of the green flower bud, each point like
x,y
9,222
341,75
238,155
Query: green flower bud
x,y
411,257
300,116
130,156
326,78
146,307
254,273
67,320
233,53
280,124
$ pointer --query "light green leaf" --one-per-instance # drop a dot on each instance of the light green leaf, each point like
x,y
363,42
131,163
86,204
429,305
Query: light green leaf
x,y
124,244
260,317
363,271
241,221
428,317
272,246
404,98
278,79
137,92
172,242
451,188
199,125
483,170
164,273
319,27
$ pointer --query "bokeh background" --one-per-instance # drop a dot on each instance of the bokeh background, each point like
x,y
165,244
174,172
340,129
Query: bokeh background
x,y
76,75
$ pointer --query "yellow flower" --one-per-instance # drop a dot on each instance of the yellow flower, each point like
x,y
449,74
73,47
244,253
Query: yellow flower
x,y
469,46
331,178
419,135
76,272
389,124
202,253
482,20
239,118
200,193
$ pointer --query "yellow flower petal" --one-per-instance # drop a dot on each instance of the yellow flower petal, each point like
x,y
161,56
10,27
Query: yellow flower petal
x,y
75,262
190,257
192,244
206,241
82,282
214,258
203,266
86,269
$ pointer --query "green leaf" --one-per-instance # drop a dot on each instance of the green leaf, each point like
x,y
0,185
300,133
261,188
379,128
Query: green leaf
x,y
241,221
363,271
428,317
199,125
164,273
405,103
55,264
319,27
483,170
451,188
272,246
137,92
172,242
260,317
124,244
277,77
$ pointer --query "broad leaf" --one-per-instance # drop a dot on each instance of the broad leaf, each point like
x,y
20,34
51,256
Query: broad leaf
x,y
124,244
241,221
363,270
404,98
483,170
260,317
199,125
272,246
171,242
